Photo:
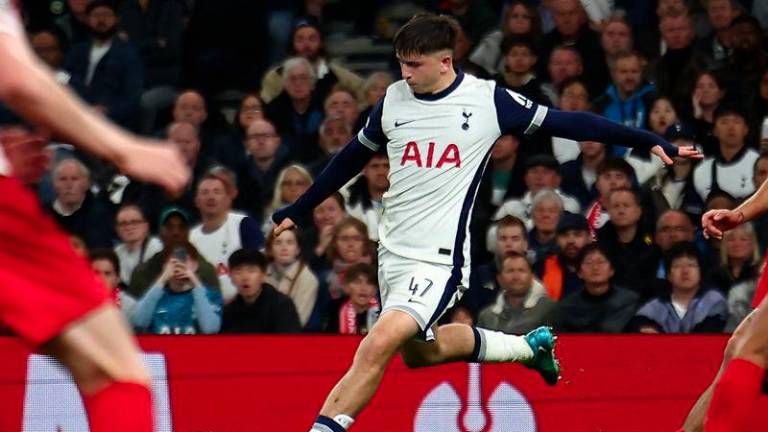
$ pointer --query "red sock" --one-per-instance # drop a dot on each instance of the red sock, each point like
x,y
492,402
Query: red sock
x,y
120,407
732,406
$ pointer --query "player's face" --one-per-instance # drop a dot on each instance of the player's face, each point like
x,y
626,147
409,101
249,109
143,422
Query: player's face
x,y
515,277
376,172
285,248
623,209
361,291
248,279
106,271
662,116
511,239
350,244
190,107
131,225
572,241
546,215
293,185
422,72
328,213
684,274
212,198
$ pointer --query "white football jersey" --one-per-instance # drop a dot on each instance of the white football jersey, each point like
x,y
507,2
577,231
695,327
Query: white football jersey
x,y
438,147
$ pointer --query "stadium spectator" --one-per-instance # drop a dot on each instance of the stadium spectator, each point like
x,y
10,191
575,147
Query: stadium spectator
x,y
290,274
307,43
106,264
730,170
613,173
297,112
178,302
317,238
366,192
519,54
520,19
334,133
49,45
342,102
349,245
136,244
559,272
76,208
616,36
155,28
690,306
601,306
627,100
661,116
672,227
222,231
721,14
374,88
355,312
546,210
258,306
74,23
174,233
628,243
748,60
291,182
572,29
740,259
522,303
579,175
740,303
708,92
105,70
760,107
564,62
573,95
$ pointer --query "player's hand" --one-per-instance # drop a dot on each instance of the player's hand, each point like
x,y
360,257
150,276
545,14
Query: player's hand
x,y
286,224
688,152
26,152
716,222
157,162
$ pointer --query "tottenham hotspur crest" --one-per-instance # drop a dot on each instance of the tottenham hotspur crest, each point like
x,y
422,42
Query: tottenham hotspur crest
x,y
466,116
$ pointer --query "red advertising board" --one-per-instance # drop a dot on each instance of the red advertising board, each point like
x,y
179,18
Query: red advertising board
x,y
271,383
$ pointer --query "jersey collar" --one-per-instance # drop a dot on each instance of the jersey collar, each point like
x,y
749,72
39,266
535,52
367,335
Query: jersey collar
x,y
443,93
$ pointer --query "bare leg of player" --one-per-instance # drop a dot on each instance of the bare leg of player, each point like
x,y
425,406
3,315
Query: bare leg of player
x,y
105,363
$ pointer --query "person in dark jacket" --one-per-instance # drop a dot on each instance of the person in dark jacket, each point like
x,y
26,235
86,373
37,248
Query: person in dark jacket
x,y
258,307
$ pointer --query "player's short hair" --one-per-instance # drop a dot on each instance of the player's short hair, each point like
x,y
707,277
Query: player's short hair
x,y
679,250
105,254
356,271
426,33
510,221
247,257
512,40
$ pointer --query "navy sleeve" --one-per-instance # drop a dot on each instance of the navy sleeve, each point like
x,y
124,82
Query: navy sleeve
x,y
345,165
585,126
516,113
250,234
372,135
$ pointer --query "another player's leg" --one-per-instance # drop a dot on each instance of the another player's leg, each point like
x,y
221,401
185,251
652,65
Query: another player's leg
x,y
353,392
105,364
460,342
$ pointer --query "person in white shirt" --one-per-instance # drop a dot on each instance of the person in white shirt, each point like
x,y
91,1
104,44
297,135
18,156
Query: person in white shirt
x,y
136,245
222,230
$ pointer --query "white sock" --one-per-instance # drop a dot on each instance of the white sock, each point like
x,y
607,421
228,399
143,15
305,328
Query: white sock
x,y
500,347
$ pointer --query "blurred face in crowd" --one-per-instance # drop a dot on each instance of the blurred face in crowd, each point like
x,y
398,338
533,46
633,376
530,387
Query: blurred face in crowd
x,y
592,150
611,180
745,37
684,274
677,32
505,148
377,89
350,244
248,279
760,173
328,213
334,134
568,16
572,241
673,227
78,6
299,82
251,109
707,91
184,136
511,238
71,183
307,43
190,107
721,13
667,7
739,244
48,48
515,277
107,272
662,116
376,172
596,272
461,46
546,215
564,63
261,140
616,37
575,97
519,59
540,177
293,185
623,209
212,198
131,225
730,130
102,21
627,75
175,231
519,21
285,248
361,291
342,104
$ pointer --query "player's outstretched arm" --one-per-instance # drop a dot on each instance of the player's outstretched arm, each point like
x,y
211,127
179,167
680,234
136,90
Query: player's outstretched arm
x,y
345,165
584,126
716,222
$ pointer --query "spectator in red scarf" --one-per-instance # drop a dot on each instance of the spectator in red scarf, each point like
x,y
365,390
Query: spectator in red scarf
x,y
356,312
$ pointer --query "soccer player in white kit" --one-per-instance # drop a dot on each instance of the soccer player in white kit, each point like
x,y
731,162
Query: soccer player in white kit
x,y
438,125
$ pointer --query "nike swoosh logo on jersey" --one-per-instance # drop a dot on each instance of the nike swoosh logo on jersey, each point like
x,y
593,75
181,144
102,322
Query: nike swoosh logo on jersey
x,y
398,123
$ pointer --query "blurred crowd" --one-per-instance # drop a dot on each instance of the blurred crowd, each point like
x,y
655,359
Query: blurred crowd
x,y
578,235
